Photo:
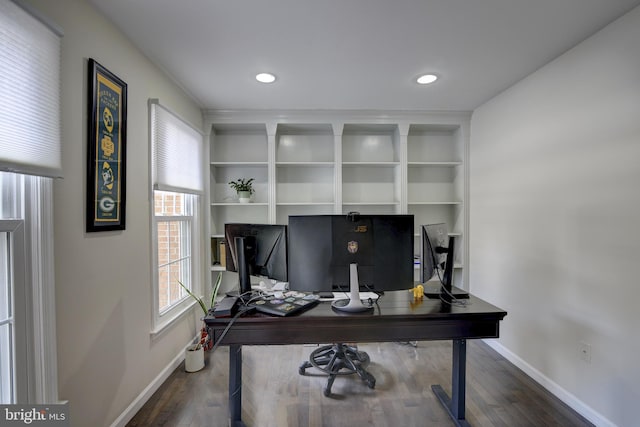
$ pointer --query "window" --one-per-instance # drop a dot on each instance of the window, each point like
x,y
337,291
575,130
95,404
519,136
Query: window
x,y
6,323
28,292
14,380
174,222
30,156
177,179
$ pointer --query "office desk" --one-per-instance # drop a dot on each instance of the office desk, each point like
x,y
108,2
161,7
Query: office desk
x,y
395,318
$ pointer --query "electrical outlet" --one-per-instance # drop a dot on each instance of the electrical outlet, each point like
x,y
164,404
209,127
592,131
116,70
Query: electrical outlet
x,y
585,352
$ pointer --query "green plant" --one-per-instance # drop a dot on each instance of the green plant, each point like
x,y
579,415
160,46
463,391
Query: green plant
x,y
205,341
214,293
242,184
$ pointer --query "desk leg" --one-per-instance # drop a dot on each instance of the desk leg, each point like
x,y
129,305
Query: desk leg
x,y
455,404
235,386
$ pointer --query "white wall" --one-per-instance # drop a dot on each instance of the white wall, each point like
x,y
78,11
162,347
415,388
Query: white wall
x,y
555,221
106,357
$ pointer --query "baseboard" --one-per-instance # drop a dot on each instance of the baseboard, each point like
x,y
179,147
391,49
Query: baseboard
x,y
568,398
146,394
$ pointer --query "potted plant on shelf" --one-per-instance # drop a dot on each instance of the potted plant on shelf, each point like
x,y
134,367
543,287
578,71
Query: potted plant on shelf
x,y
194,354
244,188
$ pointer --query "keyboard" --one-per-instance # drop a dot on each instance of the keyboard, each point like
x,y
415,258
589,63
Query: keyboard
x,y
291,303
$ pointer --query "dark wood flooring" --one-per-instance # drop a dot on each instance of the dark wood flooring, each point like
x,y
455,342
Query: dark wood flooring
x,y
275,395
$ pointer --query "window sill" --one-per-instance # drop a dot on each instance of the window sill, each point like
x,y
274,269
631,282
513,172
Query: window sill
x,y
172,318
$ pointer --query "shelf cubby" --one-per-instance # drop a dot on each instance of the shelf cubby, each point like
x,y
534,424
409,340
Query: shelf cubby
x,y
296,183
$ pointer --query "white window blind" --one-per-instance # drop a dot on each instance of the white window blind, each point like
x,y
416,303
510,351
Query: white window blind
x,y
30,93
178,151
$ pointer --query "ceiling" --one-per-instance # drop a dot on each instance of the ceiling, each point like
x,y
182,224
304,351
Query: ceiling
x,y
355,54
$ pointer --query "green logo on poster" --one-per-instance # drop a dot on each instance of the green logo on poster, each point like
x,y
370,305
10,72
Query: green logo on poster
x,y
107,204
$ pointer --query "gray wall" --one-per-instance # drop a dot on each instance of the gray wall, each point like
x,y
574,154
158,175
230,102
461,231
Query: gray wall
x,y
106,357
554,211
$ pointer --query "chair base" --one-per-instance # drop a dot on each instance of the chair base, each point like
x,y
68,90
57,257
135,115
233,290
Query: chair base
x,y
339,359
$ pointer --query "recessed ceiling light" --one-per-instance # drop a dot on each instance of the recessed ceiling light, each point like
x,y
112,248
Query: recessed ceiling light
x,y
426,79
265,78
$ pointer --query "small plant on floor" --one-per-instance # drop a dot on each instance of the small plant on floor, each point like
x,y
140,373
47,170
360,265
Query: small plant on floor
x,y
205,339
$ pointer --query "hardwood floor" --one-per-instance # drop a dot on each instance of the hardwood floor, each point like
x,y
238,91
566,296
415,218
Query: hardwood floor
x,y
275,395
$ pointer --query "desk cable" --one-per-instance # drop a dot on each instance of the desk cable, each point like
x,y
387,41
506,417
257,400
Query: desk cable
x,y
454,301
240,312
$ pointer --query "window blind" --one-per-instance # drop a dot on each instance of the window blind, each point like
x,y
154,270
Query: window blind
x,y
178,152
30,129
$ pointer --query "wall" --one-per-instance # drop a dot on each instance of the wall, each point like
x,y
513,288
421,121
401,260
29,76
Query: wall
x,y
106,356
554,210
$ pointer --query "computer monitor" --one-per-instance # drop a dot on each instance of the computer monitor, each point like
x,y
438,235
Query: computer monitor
x,y
437,257
350,252
256,250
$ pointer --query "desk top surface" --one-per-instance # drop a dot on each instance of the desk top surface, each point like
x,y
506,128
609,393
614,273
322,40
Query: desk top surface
x,y
395,316
395,303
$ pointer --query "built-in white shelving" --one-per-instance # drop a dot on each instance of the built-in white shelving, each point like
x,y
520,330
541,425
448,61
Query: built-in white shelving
x,y
329,162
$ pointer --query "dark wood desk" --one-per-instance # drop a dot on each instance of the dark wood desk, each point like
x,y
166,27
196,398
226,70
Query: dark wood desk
x,y
395,318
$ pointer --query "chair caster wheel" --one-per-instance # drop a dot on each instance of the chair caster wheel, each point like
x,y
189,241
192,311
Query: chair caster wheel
x,y
301,370
327,392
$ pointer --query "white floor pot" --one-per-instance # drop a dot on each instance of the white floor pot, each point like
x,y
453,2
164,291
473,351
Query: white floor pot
x,y
194,358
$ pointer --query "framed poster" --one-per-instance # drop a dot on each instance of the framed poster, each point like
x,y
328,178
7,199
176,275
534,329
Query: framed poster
x,y
106,154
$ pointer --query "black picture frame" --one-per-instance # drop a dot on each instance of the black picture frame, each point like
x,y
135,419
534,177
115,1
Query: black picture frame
x,y
107,150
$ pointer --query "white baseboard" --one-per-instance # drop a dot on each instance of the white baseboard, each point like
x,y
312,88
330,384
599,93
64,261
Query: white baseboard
x,y
146,394
569,399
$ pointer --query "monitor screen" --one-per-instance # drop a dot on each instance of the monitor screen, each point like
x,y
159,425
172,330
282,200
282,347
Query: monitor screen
x,y
265,249
322,248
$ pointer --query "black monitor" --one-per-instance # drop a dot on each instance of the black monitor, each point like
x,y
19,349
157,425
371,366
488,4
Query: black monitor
x,y
352,253
437,257
256,250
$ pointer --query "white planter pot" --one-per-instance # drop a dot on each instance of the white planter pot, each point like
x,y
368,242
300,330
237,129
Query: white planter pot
x,y
193,359
244,197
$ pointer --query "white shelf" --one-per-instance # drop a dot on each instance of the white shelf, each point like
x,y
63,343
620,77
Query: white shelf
x,y
435,164
247,205
346,202
237,164
436,203
310,164
373,164
305,203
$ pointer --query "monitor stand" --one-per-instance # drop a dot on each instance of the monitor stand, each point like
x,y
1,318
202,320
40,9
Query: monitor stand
x,y
354,303
245,293
435,291
445,290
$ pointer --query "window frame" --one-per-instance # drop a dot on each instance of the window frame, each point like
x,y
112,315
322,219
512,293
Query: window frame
x,y
21,376
30,199
186,224
162,319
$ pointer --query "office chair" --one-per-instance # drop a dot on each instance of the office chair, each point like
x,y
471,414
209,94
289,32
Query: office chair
x,y
339,359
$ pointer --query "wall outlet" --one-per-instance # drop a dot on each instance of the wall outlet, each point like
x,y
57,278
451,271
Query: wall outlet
x,y
585,352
